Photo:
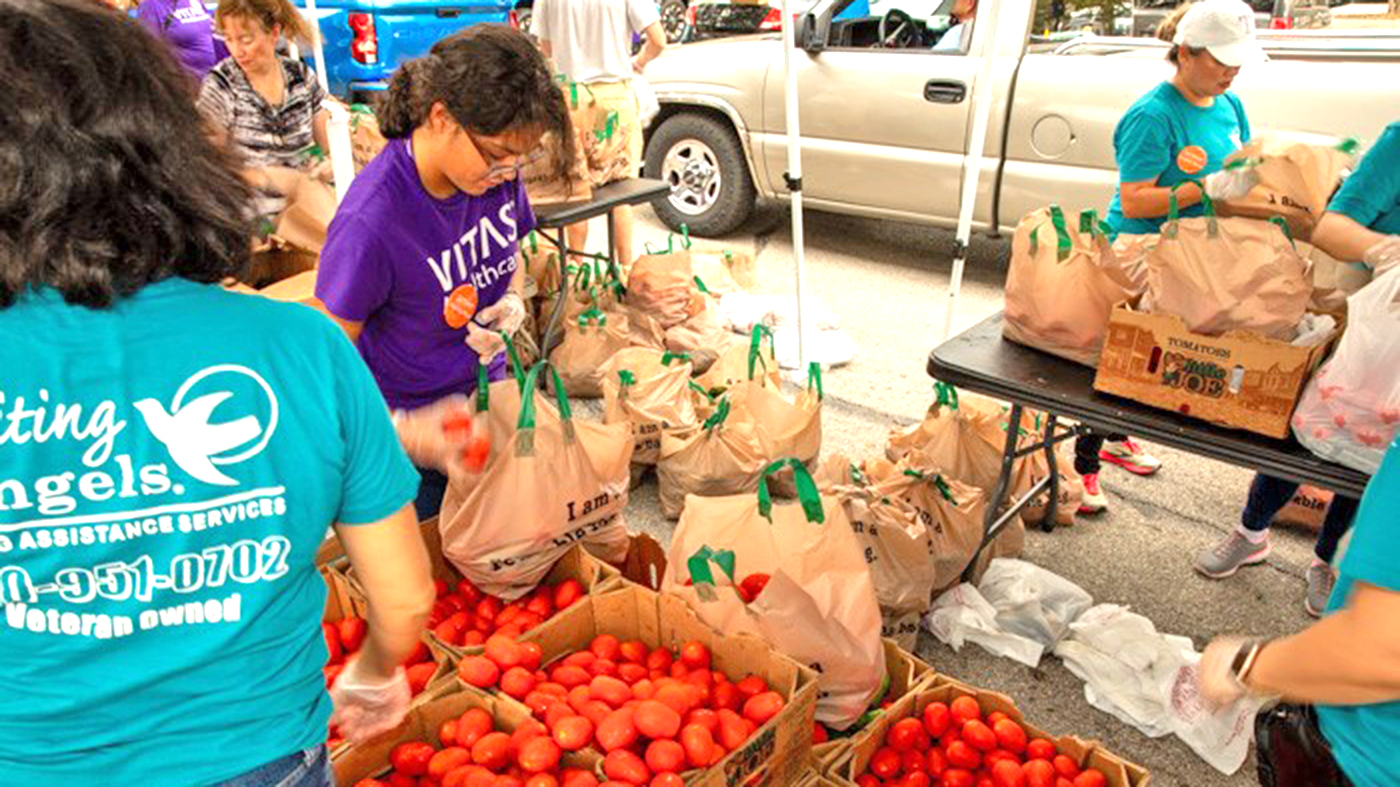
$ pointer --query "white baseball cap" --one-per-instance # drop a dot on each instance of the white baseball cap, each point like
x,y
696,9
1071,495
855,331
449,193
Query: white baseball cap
x,y
1225,28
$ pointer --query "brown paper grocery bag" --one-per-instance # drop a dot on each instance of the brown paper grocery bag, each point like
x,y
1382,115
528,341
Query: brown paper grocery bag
x,y
548,182
704,334
1062,285
953,512
723,272
1296,180
310,208
1221,275
1307,509
662,284
650,391
541,263
590,341
366,141
787,426
549,483
819,606
718,458
741,362
962,438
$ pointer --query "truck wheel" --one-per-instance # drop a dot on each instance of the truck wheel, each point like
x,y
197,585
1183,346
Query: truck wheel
x,y
711,191
673,19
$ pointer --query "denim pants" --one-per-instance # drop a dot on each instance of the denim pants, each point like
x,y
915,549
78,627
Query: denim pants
x,y
431,489
308,768
1268,496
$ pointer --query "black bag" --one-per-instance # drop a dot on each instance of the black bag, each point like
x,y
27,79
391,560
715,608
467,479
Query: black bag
x,y
1291,751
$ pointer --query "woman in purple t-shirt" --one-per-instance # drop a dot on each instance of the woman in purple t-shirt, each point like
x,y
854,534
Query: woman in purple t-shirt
x,y
188,29
421,261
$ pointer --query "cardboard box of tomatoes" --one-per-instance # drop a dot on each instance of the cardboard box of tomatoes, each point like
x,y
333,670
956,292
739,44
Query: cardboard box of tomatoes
x,y
814,778
464,617
906,672
955,735
730,702
461,738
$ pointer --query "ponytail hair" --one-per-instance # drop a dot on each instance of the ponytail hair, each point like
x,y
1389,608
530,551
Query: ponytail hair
x,y
268,13
1166,31
490,78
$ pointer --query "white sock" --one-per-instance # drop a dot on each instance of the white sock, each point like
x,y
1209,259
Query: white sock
x,y
1254,536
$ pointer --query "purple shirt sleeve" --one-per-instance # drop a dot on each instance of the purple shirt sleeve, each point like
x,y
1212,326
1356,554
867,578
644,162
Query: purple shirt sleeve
x,y
152,14
524,214
355,276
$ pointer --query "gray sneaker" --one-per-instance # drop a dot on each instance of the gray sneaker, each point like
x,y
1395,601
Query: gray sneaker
x,y
1233,551
1320,581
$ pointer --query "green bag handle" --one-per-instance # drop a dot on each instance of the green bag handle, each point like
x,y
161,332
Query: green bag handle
x,y
1174,212
593,316
1089,224
1279,222
696,387
483,376
718,416
525,425
938,483
483,388
814,380
668,356
700,285
1064,244
609,127
807,493
698,565
533,241
1349,145
945,395
756,348
857,475
626,378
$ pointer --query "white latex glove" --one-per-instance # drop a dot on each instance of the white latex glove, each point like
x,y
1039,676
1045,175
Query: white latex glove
x,y
487,343
363,708
1218,684
424,436
507,314
1384,255
1228,184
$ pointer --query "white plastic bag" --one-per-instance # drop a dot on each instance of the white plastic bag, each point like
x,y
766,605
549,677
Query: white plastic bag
x,y
1148,680
1350,409
648,107
1031,601
826,347
962,615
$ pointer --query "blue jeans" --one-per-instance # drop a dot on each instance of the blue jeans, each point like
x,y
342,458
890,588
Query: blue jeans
x,y
1268,496
309,768
430,491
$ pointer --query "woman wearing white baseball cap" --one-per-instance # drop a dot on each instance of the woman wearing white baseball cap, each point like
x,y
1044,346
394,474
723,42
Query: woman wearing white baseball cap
x,y
1179,131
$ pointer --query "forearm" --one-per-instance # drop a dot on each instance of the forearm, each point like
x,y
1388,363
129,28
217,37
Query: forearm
x,y
1150,202
655,43
397,579
320,125
1340,660
1343,238
279,180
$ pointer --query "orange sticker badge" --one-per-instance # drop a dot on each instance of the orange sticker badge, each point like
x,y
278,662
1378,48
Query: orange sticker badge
x,y
1191,159
460,306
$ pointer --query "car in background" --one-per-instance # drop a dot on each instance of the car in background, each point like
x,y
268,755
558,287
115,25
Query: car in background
x,y
1268,14
708,19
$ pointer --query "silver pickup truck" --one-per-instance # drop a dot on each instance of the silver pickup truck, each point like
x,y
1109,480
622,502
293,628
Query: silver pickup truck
x,y
886,119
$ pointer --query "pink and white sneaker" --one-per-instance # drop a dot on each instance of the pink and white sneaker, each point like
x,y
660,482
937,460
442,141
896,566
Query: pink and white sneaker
x,y
1128,455
1093,501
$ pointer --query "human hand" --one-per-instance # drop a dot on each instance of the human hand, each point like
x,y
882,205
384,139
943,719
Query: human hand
x,y
639,65
366,707
1383,255
1218,684
505,315
431,435
485,342
324,172
1228,184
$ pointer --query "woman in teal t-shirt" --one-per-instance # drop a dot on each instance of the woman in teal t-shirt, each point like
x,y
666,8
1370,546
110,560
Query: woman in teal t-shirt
x,y
171,453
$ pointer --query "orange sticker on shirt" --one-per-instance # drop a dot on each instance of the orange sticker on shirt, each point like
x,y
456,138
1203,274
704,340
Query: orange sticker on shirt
x,y
1191,159
460,306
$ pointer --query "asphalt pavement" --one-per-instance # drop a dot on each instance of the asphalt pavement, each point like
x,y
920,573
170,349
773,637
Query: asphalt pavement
x,y
888,283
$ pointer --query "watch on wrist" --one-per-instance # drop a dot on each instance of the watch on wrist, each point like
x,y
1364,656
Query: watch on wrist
x,y
1245,659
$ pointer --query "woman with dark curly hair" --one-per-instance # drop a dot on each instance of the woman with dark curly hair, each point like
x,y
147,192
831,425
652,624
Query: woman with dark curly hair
x,y
171,453
420,264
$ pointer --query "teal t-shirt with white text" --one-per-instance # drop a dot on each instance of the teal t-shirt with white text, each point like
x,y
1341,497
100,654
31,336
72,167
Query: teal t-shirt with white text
x,y
1371,196
1164,138
168,468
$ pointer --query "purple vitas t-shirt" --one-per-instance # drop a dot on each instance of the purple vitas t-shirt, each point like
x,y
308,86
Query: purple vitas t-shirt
x,y
415,269
188,29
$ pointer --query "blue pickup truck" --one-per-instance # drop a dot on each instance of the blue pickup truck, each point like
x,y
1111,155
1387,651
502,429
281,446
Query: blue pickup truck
x,y
365,40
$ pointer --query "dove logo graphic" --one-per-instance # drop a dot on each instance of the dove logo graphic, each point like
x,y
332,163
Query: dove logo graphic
x,y
196,439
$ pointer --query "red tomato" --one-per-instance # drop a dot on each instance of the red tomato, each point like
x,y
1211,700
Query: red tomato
x,y
632,673
567,593
583,659
656,719
644,689
603,667
618,730
531,654
665,756
473,638
1090,778
352,631
679,697
937,719
488,608
762,707
610,690
750,686
866,780
1063,782
577,777
994,717
625,766
596,712
412,758
538,755
907,735
419,676
913,761
492,751
1006,773
725,695
440,587
447,733
705,718
667,780
1039,773
1010,735
753,584
448,759
573,733
1040,749
633,652
961,755
570,676
694,655
956,777
335,652
917,779
886,764
660,660
539,780
474,725
937,762
478,671
963,710
979,736
733,730
820,734
518,682
542,606
397,779
1065,766
528,729
699,744
504,651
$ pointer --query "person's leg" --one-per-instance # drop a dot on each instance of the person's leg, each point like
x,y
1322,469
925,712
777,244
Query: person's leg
x,y
1249,542
431,489
1319,575
1087,465
1125,452
622,225
576,237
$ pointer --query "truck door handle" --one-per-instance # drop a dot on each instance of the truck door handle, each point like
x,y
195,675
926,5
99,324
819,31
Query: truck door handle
x,y
448,13
945,91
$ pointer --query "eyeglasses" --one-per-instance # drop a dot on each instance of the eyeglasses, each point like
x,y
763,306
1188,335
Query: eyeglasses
x,y
500,166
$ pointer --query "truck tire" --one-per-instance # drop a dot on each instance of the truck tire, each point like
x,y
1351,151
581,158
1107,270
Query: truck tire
x,y
711,190
673,19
